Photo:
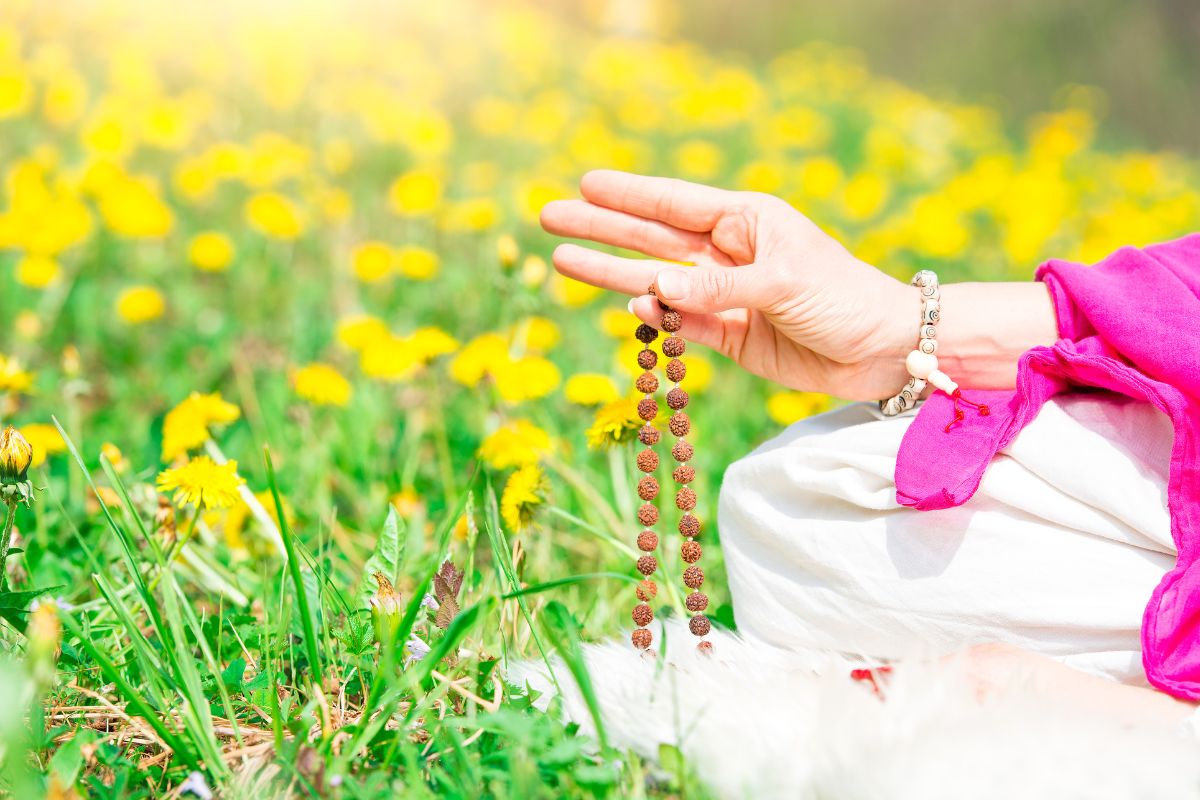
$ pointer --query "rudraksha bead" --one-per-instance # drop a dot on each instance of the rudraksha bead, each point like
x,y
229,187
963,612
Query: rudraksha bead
x,y
699,625
647,514
647,408
672,321
693,577
696,601
682,451
685,499
675,369
690,551
647,541
679,424
649,435
648,359
645,333
641,638
643,615
684,474
647,460
673,347
704,648
689,525
677,398
647,383
647,590
647,487
647,564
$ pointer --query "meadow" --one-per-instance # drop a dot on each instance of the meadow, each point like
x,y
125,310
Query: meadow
x,y
320,441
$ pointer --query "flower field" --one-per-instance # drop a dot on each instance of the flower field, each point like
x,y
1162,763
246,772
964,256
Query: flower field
x,y
318,442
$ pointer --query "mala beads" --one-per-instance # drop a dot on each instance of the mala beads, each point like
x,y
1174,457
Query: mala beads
x,y
679,425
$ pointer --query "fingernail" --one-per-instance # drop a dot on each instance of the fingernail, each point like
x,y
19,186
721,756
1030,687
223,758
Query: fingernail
x,y
629,305
671,284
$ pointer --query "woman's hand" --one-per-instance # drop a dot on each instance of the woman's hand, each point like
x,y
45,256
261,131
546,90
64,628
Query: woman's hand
x,y
772,291
769,289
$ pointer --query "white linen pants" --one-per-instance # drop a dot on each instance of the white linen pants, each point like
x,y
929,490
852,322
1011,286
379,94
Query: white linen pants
x,y
1058,552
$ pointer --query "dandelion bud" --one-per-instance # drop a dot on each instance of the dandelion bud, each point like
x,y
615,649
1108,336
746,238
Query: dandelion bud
x,y
70,361
15,455
385,609
507,251
534,271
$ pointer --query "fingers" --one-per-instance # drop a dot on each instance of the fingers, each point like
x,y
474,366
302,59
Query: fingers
x,y
583,220
690,206
625,275
709,289
722,332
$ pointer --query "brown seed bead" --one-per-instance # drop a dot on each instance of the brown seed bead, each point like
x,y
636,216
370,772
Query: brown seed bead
x,y
647,514
647,564
679,424
645,333
691,551
647,383
641,638
647,541
649,435
684,474
696,601
643,615
704,648
677,398
647,590
647,359
689,525
672,321
673,347
648,488
700,625
647,409
676,371
685,499
693,577
647,461
682,451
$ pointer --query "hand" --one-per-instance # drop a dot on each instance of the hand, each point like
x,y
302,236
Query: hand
x,y
769,289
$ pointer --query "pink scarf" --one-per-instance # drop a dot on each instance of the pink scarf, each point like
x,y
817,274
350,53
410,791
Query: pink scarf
x,y
1130,324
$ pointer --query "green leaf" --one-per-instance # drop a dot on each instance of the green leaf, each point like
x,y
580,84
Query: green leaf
x,y
14,606
389,553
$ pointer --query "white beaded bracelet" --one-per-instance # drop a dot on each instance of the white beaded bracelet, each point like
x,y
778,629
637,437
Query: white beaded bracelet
x,y
931,296
922,363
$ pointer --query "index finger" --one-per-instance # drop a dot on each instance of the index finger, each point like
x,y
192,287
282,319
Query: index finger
x,y
690,206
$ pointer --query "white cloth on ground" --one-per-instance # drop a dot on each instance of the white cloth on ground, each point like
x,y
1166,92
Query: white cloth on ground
x,y
1058,552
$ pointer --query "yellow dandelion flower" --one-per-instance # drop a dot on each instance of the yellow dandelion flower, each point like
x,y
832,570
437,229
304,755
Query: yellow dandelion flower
x,y
507,251
37,271
114,456
272,214
202,483
211,251
514,445
372,261
132,208
535,334
570,292
16,455
358,331
415,193
699,373
534,271
406,501
615,423
526,378
239,514
389,358
430,342
591,389
618,323
524,492
28,326
788,407
478,357
12,377
186,426
321,385
417,263
45,440
140,304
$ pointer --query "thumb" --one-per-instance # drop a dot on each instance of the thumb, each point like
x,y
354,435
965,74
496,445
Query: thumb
x,y
709,289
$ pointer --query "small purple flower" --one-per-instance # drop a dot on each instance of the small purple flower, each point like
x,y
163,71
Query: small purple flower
x,y
429,601
196,785
417,650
